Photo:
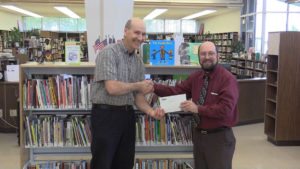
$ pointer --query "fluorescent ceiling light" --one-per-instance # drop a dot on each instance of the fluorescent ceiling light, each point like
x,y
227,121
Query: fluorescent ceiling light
x,y
199,14
14,8
67,11
155,13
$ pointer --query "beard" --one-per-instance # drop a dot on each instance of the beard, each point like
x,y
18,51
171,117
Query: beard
x,y
209,68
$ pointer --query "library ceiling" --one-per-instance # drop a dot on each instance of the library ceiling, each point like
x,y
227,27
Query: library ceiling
x,y
177,9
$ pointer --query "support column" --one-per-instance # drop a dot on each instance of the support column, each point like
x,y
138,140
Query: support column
x,y
106,17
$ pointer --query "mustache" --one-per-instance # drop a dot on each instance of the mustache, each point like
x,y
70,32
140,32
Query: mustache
x,y
207,60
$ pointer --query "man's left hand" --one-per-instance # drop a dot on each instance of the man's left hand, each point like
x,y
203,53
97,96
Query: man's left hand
x,y
189,106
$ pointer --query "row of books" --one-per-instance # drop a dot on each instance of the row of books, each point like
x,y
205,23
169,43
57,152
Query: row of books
x,y
75,131
163,164
61,91
172,130
139,164
56,131
60,165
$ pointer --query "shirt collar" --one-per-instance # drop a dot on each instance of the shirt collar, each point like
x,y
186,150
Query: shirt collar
x,y
124,49
211,74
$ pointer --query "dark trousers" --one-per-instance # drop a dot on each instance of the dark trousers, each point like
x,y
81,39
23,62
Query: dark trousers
x,y
214,150
113,138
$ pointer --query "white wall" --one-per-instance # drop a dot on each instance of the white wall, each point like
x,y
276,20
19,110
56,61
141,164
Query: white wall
x,y
106,17
8,20
228,22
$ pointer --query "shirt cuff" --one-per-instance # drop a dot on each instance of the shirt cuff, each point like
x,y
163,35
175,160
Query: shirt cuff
x,y
200,109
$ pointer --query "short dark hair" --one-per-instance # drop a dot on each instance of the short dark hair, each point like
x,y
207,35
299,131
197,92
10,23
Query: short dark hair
x,y
128,24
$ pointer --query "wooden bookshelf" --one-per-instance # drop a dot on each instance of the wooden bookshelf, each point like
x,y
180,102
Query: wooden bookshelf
x,y
223,42
249,68
282,118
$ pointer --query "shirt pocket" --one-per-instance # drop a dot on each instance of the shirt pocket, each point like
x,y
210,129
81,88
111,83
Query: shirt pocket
x,y
213,97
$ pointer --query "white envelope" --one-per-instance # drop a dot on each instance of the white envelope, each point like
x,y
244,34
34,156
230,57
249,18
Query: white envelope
x,y
172,103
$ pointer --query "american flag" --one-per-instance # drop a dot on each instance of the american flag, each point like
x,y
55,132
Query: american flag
x,y
97,41
100,46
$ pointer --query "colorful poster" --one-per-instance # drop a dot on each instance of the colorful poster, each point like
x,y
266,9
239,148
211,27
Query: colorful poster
x,y
72,53
194,53
178,41
162,52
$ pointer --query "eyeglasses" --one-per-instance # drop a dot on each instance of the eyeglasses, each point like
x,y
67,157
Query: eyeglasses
x,y
210,54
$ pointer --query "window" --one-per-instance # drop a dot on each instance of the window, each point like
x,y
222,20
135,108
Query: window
x,y
172,26
67,24
32,23
189,26
154,26
258,32
279,16
294,15
55,24
81,25
275,6
50,24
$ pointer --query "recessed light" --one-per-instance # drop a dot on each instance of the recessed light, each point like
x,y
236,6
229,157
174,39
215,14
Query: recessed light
x,y
23,11
206,12
67,11
155,13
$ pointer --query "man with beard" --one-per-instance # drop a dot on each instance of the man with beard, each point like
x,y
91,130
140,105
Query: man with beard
x,y
119,83
214,92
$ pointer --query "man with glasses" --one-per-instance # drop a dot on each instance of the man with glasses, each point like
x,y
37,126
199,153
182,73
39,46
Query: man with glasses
x,y
214,92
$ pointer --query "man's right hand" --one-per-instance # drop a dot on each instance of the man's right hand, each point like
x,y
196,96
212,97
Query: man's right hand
x,y
146,86
158,113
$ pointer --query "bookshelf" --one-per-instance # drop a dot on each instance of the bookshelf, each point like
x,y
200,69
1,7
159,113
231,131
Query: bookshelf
x,y
71,153
248,68
223,41
5,41
282,118
1,41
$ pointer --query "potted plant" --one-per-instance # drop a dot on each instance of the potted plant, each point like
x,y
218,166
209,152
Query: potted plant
x,y
16,37
33,32
237,47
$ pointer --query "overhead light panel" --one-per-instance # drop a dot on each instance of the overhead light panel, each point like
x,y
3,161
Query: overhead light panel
x,y
67,11
155,13
14,8
206,12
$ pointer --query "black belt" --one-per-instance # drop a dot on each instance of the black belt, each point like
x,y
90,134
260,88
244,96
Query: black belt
x,y
204,131
113,107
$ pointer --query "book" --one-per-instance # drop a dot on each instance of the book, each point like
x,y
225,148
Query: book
x,y
193,53
162,52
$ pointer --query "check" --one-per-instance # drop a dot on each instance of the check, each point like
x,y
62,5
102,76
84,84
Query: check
x,y
172,103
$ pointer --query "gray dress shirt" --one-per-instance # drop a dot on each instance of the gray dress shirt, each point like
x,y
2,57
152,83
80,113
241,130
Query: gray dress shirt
x,y
115,63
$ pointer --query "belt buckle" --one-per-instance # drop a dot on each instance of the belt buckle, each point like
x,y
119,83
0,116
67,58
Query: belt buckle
x,y
204,132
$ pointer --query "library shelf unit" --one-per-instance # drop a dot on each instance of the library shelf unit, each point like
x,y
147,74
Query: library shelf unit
x,y
282,118
245,67
31,154
223,41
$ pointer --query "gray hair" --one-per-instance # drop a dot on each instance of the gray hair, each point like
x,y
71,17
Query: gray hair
x,y
128,24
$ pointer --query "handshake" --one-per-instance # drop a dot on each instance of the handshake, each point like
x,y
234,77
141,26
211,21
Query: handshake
x,y
146,86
